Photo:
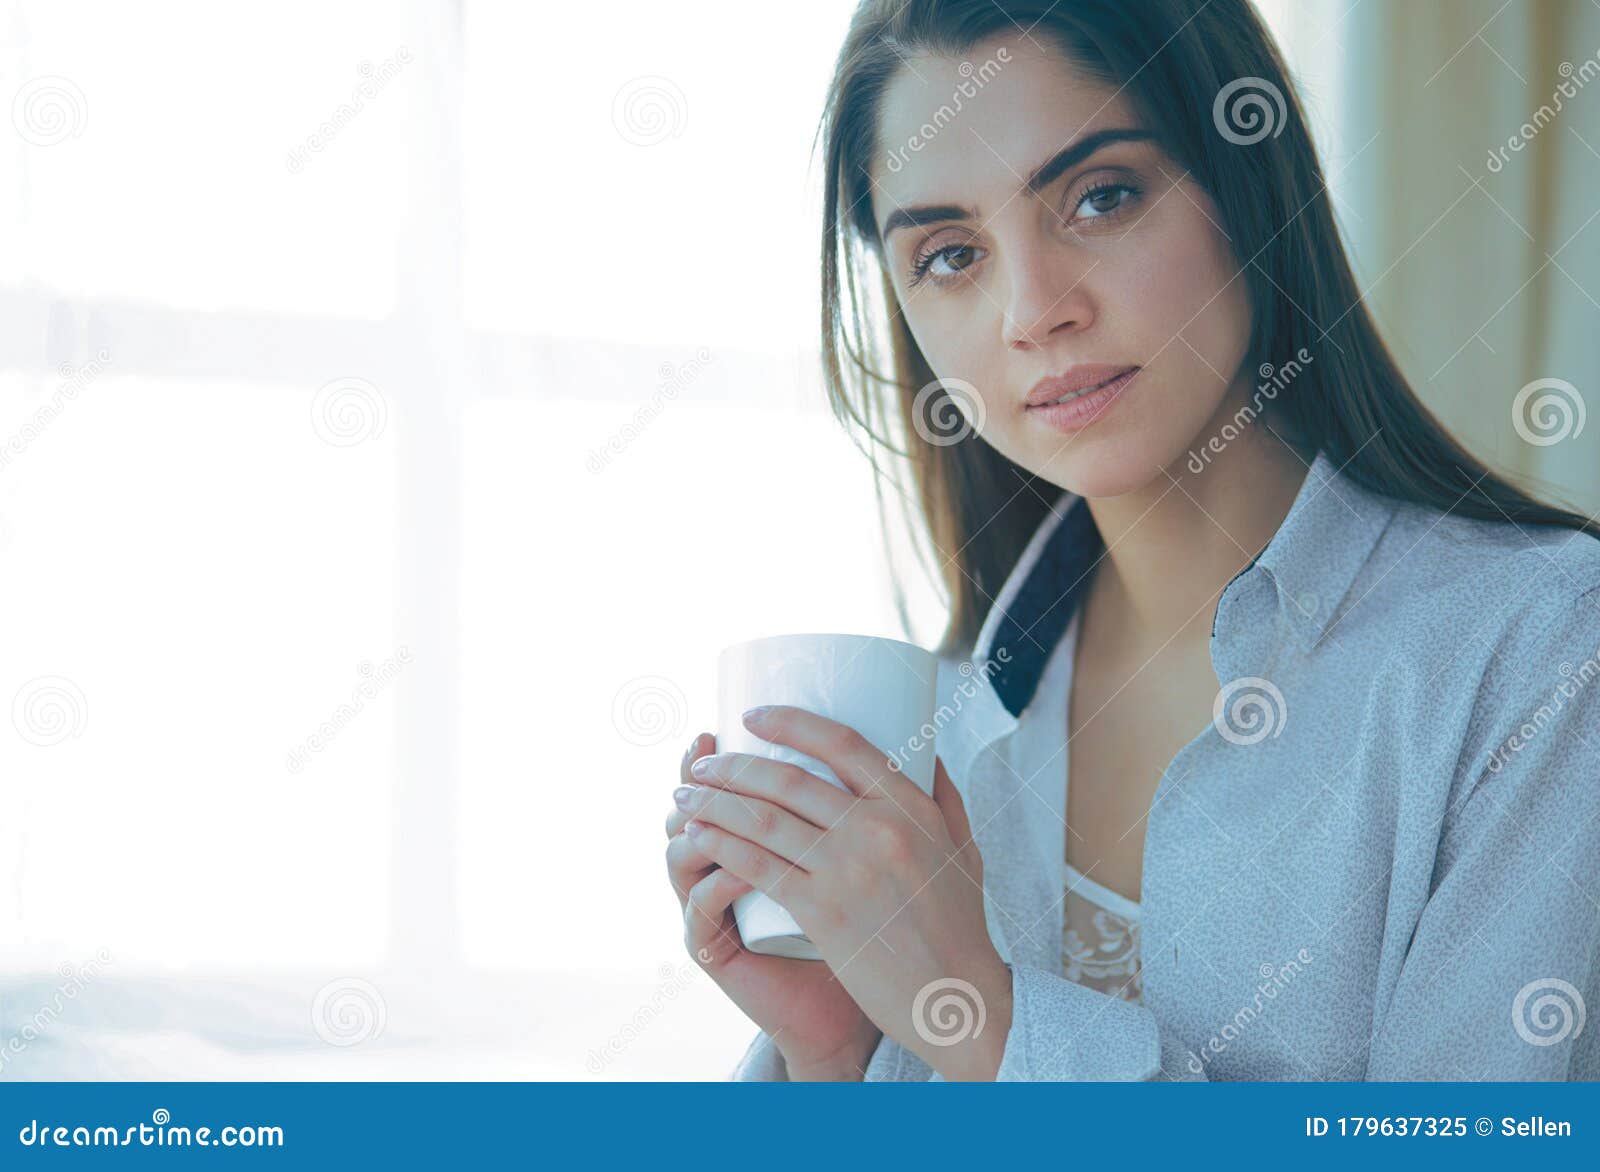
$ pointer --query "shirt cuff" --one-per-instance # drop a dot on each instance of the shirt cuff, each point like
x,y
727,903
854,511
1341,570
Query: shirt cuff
x,y
762,1062
1062,1031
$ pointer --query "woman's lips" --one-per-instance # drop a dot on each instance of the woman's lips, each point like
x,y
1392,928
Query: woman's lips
x,y
1076,414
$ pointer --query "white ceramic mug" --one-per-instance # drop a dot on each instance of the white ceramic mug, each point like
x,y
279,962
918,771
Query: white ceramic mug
x,y
883,688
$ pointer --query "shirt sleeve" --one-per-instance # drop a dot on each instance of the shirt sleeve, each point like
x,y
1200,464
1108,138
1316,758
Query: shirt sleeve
x,y
1062,1031
890,1062
762,1062
1502,960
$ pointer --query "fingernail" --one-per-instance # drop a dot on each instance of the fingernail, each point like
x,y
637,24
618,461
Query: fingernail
x,y
693,745
693,828
701,768
682,794
758,714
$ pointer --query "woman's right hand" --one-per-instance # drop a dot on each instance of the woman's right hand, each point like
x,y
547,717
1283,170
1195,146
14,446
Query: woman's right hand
x,y
817,1026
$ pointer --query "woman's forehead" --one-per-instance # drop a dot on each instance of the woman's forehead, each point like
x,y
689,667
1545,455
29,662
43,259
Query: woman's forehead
x,y
968,130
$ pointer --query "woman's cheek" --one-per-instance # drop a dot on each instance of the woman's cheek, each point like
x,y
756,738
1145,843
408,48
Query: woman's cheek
x,y
946,341
1163,289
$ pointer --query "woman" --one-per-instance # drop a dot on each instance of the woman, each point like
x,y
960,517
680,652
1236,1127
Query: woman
x,y
1333,809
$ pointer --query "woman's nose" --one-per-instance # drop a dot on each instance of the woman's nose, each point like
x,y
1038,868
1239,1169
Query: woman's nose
x,y
1048,297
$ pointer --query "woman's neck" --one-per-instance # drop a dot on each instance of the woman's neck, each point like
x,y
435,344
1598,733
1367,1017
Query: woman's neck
x,y
1173,546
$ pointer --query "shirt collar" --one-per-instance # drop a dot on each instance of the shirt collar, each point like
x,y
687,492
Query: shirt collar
x,y
1327,536
1316,553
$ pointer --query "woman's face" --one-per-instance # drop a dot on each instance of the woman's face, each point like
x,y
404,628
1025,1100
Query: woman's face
x,y
1114,260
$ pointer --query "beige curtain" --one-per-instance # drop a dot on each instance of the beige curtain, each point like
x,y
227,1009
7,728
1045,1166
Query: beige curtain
x,y
1462,139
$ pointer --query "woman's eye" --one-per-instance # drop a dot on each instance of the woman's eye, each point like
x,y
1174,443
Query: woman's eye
x,y
1103,201
943,263
953,259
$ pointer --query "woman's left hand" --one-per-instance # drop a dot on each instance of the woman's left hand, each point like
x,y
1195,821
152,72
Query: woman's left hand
x,y
886,881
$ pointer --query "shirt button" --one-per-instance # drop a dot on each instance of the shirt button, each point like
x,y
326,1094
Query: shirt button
x,y
1307,602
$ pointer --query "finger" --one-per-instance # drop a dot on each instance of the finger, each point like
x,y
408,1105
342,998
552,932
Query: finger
x,y
677,817
694,754
759,821
865,770
756,865
675,821
954,809
950,805
791,786
709,930
687,864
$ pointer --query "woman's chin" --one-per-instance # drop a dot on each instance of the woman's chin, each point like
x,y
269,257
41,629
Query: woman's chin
x,y
1107,468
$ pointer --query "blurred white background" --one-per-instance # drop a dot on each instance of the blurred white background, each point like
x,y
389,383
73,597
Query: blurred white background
x,y
402,402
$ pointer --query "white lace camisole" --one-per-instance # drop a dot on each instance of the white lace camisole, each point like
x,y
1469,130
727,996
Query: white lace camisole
x,y
1099,937
1100,927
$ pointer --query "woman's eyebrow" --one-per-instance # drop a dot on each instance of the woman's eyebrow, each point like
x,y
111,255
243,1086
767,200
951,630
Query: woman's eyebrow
x,y
1043,175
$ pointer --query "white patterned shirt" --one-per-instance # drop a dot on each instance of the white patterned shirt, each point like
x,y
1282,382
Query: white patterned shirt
x,y
1381,861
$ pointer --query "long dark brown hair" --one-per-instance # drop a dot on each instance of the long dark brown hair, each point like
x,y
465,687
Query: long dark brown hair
x,y
1170,59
